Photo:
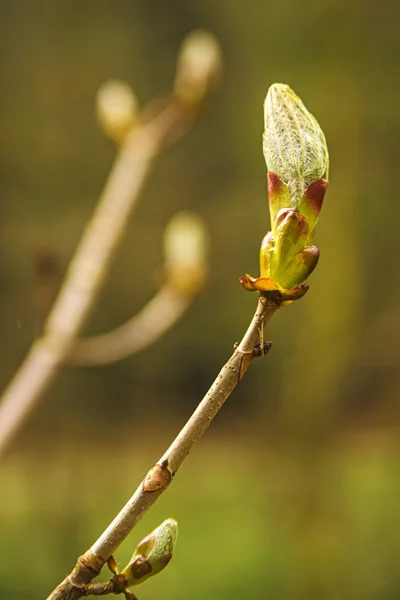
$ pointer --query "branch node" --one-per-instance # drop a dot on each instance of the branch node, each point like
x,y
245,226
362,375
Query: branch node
x,y
87,567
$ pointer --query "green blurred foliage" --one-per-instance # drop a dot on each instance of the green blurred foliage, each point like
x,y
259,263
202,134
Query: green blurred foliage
x,y
294,493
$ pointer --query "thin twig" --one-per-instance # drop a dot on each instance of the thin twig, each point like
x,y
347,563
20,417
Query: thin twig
x,y
148,325
88,268
158,478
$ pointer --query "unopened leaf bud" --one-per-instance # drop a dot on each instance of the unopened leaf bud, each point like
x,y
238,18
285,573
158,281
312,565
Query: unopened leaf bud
x,y
199,64
116,107
294,145
297,160
152,554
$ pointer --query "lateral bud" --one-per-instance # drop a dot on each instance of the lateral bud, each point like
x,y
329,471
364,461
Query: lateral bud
x,y
152,554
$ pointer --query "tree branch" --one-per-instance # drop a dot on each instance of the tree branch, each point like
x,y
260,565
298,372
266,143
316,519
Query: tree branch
x,y
159,477
89,267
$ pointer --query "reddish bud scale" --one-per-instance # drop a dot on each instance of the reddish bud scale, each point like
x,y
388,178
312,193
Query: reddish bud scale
x,y
311,202
278,195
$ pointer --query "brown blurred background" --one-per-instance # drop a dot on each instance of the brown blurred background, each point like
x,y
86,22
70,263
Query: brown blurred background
x,y
294,493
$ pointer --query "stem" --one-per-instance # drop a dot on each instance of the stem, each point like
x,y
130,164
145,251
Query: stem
x,y
88,269
159,477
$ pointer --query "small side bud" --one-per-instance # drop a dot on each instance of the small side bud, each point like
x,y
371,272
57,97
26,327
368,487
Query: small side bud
x,y
294,144
185,250
116,107
152,554
199,64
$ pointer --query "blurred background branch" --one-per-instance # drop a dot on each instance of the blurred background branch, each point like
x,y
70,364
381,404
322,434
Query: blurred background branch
x,y
142,138
185,270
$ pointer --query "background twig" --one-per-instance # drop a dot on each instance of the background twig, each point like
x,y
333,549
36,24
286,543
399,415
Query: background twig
x,y
185,271
88,268
141,141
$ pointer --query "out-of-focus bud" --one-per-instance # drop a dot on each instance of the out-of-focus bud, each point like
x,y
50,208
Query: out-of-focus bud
x,y
185,250
294,144
116,107
198,67
152,554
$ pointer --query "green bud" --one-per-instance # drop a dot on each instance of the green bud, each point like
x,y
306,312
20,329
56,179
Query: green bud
x,y
152,554
294,145
297,160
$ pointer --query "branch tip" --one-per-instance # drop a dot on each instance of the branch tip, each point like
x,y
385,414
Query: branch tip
x,y
116,108
199,66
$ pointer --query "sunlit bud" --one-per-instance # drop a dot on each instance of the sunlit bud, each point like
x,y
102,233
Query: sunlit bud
x,y
152,554
116,107
294,145
199,64
185,249
297,160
